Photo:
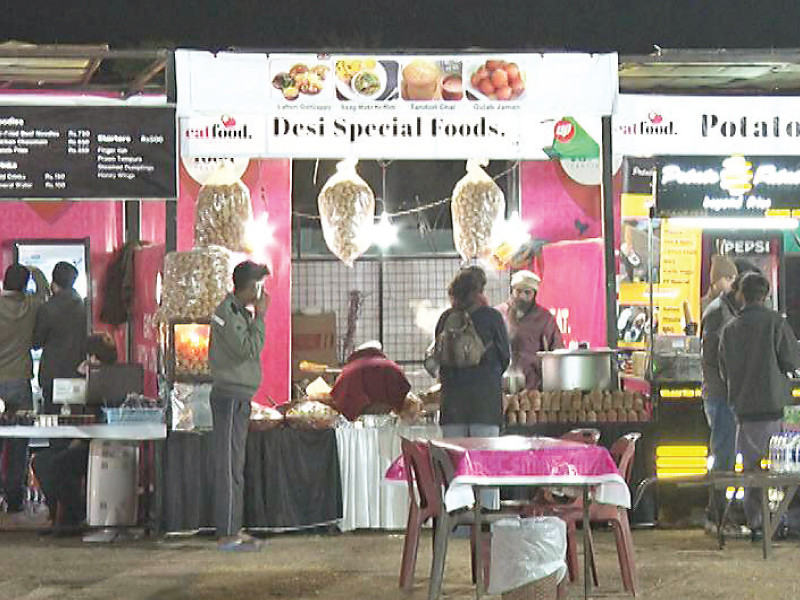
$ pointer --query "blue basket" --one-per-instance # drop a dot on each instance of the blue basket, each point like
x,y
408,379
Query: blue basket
x,y
115,416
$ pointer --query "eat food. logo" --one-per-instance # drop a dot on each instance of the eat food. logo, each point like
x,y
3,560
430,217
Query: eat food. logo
x,y
564,131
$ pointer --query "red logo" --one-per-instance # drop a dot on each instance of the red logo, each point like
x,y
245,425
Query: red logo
x,y
654,117
564,131
228,121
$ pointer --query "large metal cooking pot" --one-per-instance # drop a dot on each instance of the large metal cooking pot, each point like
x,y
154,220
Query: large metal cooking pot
x,y
582,369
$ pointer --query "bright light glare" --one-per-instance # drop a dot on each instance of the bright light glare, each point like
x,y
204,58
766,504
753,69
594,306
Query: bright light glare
x,y
735,222
384,233
513,232
259,233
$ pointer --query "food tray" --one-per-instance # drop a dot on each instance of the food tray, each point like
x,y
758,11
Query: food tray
x,y
265,424
115,416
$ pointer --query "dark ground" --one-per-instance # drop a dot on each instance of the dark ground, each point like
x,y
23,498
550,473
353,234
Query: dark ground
x,y
672,565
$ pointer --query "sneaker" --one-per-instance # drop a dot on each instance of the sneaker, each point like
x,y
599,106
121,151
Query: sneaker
x,y
735,531
240,543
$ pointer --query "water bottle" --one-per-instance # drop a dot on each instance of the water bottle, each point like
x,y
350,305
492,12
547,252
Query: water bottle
x,y
780,453
773,453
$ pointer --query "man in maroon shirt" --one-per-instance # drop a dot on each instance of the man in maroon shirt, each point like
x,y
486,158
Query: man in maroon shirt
x,y
531,328
369,382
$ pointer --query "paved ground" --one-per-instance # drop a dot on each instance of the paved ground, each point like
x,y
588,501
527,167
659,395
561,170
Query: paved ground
x,y
672,565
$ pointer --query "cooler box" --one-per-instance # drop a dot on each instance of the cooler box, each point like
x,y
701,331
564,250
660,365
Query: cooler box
x,y
111,484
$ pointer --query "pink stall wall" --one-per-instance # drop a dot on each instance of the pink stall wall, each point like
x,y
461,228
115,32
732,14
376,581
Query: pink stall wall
x,y
152,225
100,221
559,208
148,262
568,217
573,288
269,182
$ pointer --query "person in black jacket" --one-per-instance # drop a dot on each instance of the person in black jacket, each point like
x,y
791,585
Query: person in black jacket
x,y
60,331
757,349
61,469
472,396
719,414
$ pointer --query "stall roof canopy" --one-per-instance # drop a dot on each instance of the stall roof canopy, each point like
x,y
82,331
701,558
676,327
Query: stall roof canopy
x,y
685,71
85,68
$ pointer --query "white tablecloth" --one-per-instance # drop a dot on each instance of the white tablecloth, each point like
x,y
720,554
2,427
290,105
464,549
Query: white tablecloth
x,y
369,502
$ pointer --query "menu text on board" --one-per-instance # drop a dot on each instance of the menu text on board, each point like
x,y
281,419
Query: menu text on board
x,y
87,152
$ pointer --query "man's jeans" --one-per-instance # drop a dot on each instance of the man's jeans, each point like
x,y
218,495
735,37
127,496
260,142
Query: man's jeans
x,y
722,422
752,440
16,393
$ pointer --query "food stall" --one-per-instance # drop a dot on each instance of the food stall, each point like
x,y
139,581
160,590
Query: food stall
x,y
256,112
704,176
88,166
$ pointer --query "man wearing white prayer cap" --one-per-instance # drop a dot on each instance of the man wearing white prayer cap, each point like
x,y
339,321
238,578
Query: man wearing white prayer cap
x,y
531,327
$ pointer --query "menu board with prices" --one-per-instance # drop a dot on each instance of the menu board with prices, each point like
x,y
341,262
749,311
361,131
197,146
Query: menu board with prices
x,y
679,290
87,152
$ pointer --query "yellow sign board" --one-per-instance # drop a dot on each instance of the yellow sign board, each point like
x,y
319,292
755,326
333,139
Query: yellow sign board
x,y
681,251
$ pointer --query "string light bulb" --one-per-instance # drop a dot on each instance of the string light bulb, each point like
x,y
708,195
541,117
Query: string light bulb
x,y
384,232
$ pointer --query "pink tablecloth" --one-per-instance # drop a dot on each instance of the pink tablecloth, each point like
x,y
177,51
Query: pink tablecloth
x,y
522,460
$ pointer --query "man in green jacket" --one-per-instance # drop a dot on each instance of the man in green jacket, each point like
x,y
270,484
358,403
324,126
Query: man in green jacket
x,y
234,354
17,317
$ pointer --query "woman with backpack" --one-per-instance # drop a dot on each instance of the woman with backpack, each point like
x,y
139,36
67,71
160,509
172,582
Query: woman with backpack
x,y
471,367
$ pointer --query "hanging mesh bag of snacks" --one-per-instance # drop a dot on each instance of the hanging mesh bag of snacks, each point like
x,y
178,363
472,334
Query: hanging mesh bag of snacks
x,y
477,204
195,282
347,209
223,211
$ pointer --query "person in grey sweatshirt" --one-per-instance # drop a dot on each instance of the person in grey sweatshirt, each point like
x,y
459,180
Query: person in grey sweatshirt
x,y
234,354
17,317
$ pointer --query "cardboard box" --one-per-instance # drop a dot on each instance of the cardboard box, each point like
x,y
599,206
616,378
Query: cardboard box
x,y
314,339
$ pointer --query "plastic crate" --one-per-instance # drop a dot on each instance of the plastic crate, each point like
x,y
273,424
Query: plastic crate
x,y
115,416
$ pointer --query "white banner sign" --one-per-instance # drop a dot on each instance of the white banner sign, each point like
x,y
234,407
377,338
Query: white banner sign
x,y
683,125
395,106
223,135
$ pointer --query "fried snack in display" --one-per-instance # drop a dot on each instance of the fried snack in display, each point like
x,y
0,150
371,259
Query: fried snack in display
x,y
195,282
223,212
310,414
477,205
347,210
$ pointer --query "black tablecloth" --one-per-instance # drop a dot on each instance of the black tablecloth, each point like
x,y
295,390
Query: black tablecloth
x,y
292,480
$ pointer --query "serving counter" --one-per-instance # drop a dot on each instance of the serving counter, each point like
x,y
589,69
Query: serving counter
x,y
291,480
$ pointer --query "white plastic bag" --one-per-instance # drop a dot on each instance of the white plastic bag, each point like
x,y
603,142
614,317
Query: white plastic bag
x,y
477,204
191,407
347,209
524,550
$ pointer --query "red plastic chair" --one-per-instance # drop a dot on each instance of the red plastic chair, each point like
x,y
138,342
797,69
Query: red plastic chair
x,y
622,451
423,505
